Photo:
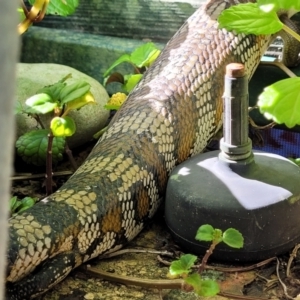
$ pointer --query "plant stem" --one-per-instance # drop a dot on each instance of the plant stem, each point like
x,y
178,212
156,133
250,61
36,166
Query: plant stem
x,y
49,164
136,69
206,256
71,157
37,117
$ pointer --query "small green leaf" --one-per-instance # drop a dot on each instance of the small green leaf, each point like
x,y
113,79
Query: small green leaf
x,y
28,201
233,238
205,233
18,107
53,90
17,206
59,7
144,55
40,104
32,147
62,126
152,57
194,280
12,203
131,81
123,58
208,288
281,102
182,265
74,91
21,14
279,4
248,18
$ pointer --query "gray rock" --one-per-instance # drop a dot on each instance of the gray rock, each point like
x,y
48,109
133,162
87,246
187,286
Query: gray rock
x,y
89,119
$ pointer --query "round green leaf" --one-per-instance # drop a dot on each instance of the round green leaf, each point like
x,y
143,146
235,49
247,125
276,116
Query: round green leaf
x,y
32,147
248,18
208,288
194,280
62,126
205,233
281,102
182,265
233,238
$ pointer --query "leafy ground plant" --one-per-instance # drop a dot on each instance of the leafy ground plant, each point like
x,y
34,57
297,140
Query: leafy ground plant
x,y
18,205
281,100
42,145
140,59
183,267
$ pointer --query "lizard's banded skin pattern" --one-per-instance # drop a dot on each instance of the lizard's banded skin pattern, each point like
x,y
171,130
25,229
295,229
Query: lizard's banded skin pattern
x,y
170,116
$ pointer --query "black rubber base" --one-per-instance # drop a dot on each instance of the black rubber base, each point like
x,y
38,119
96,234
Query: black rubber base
x,y
260,200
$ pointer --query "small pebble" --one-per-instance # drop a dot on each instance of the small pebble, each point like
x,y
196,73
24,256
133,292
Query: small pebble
x,y
89,296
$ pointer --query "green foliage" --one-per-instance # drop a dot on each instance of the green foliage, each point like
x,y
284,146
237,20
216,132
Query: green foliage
x,y
206,233
131,81
256,18
16,205
59,7
141,58
249,18
231,236
63,126
276,5
204,288
32,147
58,99
280,101
40,104
21,14
183,266
73,91
57,95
